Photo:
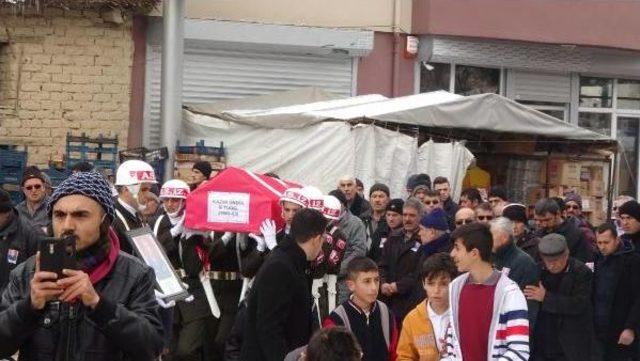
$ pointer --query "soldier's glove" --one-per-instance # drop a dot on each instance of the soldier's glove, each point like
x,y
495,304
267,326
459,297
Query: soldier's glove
x,y
268,229
261,246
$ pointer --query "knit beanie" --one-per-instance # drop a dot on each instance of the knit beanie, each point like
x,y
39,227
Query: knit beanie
x,y
418,179
437,219
204,167
89,184
515,212
379,187
573,197
395,205
630,208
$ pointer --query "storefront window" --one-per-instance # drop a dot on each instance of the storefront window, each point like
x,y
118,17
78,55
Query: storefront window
x,y
472,80
628,131
596,92
434,76
556,110
628,94
598,122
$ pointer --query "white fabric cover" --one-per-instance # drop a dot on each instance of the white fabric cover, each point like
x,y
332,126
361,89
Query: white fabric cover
x,y
445,159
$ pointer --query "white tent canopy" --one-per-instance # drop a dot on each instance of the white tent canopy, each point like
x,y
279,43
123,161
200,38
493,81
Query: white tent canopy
x,y
308,135
438,109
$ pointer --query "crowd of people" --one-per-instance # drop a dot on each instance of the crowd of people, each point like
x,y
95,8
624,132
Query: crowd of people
x,y
349,276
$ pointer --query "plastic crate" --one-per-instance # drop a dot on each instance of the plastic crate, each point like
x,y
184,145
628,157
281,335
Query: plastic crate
x,y
201,149
57,176
14,161
102,152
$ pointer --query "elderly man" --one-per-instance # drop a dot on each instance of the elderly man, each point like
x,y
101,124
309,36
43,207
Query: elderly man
x,y
105,309
465,216
548,217
34,206
399,260
564,326
512,261
18,238
355,202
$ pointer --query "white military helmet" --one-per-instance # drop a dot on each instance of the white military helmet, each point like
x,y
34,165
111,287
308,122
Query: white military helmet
x,y
295,196
315,197
134,172
174,188
331,208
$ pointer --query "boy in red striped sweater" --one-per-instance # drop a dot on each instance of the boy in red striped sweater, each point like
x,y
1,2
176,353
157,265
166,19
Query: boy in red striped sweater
x,y
488,310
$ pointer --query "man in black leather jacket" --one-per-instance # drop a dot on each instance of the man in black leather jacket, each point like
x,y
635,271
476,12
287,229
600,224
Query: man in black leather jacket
x,y
104,309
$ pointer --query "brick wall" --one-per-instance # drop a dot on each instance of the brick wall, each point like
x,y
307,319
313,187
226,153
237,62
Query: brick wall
x,y
60,72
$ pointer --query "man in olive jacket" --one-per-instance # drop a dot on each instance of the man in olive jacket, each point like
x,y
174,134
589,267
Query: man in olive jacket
x,y
104,309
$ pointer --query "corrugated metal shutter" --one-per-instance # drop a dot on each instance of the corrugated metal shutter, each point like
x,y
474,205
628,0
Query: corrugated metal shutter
x,y
537,86
215,74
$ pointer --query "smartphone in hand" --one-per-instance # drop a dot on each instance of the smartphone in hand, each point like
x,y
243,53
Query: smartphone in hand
x,y
57,254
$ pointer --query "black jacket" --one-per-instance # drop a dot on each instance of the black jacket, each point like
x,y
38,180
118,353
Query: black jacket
x,y
578,247
133,222
124,326
359,205
450,208
399,264
572,311
529,243
616,298
279,306
18,241
164,237
374,235
523,270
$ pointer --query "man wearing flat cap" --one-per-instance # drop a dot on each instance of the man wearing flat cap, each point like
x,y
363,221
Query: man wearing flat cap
x,y
34,207
564,327
104,309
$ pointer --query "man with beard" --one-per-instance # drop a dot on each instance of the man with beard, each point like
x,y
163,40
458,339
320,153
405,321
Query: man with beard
x,y
399,260
105,309
549,220
573,209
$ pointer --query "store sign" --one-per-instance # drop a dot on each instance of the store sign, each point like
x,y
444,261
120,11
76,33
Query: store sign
x,y
227,207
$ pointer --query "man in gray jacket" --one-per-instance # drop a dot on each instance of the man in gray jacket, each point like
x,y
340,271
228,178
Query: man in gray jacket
x,y
356,235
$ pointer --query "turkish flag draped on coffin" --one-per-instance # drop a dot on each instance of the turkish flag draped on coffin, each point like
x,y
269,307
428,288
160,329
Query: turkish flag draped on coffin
x,y
236,200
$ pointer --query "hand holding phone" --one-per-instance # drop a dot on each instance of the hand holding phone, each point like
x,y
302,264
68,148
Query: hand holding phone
x,y
43,287
57,254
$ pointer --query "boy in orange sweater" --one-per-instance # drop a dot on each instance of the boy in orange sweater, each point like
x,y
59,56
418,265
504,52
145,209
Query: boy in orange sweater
x,y
420,340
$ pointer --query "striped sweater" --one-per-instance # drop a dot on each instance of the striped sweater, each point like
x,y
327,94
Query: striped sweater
x,y
509,333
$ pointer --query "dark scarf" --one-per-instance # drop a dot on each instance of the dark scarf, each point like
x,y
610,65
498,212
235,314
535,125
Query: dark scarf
x,y
98,259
